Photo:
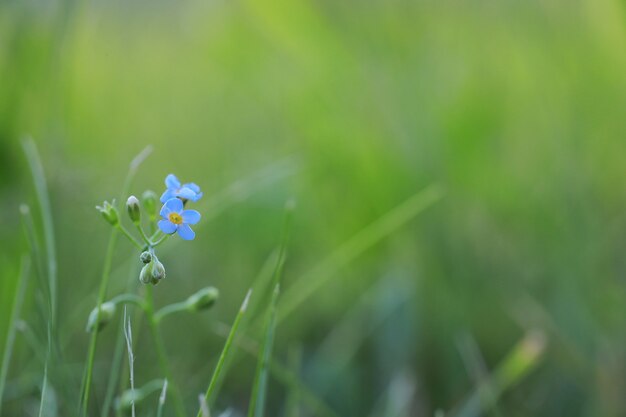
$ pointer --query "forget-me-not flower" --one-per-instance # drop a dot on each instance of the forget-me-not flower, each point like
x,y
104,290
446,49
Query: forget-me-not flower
x,y
175,219
188,191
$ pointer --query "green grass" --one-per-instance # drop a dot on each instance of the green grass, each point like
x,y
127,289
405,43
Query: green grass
x,y
458,169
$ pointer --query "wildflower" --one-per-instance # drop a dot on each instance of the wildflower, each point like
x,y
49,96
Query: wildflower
x,y
109,212
188,191
176,219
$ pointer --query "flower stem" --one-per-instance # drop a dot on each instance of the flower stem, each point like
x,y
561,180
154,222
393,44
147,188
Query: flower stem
x,y
129,298
129,236
106,272
143,234
155,332
161,240
170,309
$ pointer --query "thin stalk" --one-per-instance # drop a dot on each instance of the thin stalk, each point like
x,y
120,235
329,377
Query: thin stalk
x,y
130,237
170,309
43,405
225,351
116,362
143,235
259,390
108,258
161,240
162,399
130,299
30,149
15,313
155,332
106,273
355,246
128,334
290,380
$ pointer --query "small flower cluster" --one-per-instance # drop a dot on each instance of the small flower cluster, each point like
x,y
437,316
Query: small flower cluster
x,y
174,219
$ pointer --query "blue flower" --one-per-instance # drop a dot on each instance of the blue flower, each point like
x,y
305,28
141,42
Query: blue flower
x,y
175,219
189,191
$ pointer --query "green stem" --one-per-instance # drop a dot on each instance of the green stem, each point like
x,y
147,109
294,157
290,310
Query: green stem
x,y
143,234
161,240
129,298
155,332
106,272
170,309
129,236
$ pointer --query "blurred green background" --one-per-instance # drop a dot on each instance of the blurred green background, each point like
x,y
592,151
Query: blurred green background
x,y
515,109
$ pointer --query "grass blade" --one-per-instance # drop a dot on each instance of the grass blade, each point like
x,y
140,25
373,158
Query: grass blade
x,y
355,246
257,400
225,351
289,379
128,334
162,399
292,406
15,313
521,360
47,407
41,189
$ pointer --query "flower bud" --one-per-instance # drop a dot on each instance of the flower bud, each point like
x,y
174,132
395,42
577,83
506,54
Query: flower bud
x,y
158,271
96,321
153,272
145,276
109,213
134,211
149,200
202,299
145,257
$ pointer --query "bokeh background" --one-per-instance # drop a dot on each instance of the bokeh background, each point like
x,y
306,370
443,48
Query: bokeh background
x,y
515,110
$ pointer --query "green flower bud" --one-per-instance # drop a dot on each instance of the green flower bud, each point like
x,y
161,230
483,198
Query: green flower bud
x,y
109,213
202,299
134,211
153,272
145,257
158,271
145,276
149,200
96,321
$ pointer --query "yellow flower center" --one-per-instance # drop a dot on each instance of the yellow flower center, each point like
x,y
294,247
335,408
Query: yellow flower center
x,y
175,218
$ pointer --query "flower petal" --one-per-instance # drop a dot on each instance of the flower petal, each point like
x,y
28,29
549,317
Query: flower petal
x,y
167,195
174,205
165,211
186,193
185,232
190,216
197,197
172,182
193,186
167,226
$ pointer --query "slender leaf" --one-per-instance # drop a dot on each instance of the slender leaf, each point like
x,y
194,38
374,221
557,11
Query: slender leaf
x,y
225,351
15,314
259,390
355,246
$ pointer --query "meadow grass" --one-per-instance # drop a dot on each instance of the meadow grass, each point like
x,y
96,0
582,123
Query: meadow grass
x,y
513,109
